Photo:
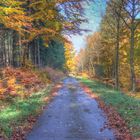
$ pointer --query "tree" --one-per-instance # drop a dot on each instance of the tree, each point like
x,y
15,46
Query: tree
x,y
55,55
69,57
132,9
114,9
27,26
49,22
13,16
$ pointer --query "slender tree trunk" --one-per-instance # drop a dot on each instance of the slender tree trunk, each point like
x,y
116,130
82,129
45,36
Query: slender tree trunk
x,y
4,51
16,49
6,48
25,53
117,55
92,67
20,51
38,47
1,50
132,69
10,45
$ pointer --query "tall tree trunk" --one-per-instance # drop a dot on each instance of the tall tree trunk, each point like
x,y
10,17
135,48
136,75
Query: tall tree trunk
x,y
1,50
10,44
16,49
117,55
25,53
6,49
35,52
92,67
132,69
38,51
20,51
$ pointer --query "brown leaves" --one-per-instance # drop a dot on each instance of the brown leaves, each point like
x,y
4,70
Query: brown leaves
x,y
18,82
20,131
115,121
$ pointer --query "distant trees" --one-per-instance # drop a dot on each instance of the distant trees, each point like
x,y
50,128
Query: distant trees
x,y
55,55
69,57
92,54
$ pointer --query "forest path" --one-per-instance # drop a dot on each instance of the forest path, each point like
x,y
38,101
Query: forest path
x,y
72,115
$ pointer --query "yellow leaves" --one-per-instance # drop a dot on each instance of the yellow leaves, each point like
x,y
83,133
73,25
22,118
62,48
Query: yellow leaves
x,y
10,10
11,81
11,3
46,13
44,10
69,56
13,87
125,53
13,16
2,90
46,33
51,14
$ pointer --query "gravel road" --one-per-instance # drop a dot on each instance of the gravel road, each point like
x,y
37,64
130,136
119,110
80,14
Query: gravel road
x,y
72,115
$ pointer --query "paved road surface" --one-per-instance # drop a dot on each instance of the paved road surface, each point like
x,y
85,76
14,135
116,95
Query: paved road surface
x,y
72,115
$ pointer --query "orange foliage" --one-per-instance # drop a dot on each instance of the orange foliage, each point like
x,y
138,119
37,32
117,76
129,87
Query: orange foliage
x,y
19,82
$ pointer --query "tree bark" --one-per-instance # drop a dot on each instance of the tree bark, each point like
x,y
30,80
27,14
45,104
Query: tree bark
x,y
24,55
132,69
38,53
117,55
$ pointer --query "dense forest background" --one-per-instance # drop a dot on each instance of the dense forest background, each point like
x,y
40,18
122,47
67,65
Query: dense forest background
x,y
113,53
34,33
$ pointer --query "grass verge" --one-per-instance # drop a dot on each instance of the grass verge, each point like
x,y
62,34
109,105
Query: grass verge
x,y
128,107
15,111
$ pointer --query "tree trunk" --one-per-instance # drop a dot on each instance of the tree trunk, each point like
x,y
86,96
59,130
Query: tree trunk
x,y
132,69
16,49
92,67
117,55
25,53
20,51
1,50
38,51
6,49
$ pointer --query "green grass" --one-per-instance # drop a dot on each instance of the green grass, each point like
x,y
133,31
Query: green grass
x,y
128,107
17,110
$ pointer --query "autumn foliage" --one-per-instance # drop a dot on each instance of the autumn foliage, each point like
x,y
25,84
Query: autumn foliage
x,y
19,82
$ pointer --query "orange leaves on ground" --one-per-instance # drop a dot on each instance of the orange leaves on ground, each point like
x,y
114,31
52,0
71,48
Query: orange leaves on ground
x,y
89,91
18,82
22,82
2,90
115,121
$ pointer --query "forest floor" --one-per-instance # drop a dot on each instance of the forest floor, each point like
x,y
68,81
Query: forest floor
x,y
74,115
